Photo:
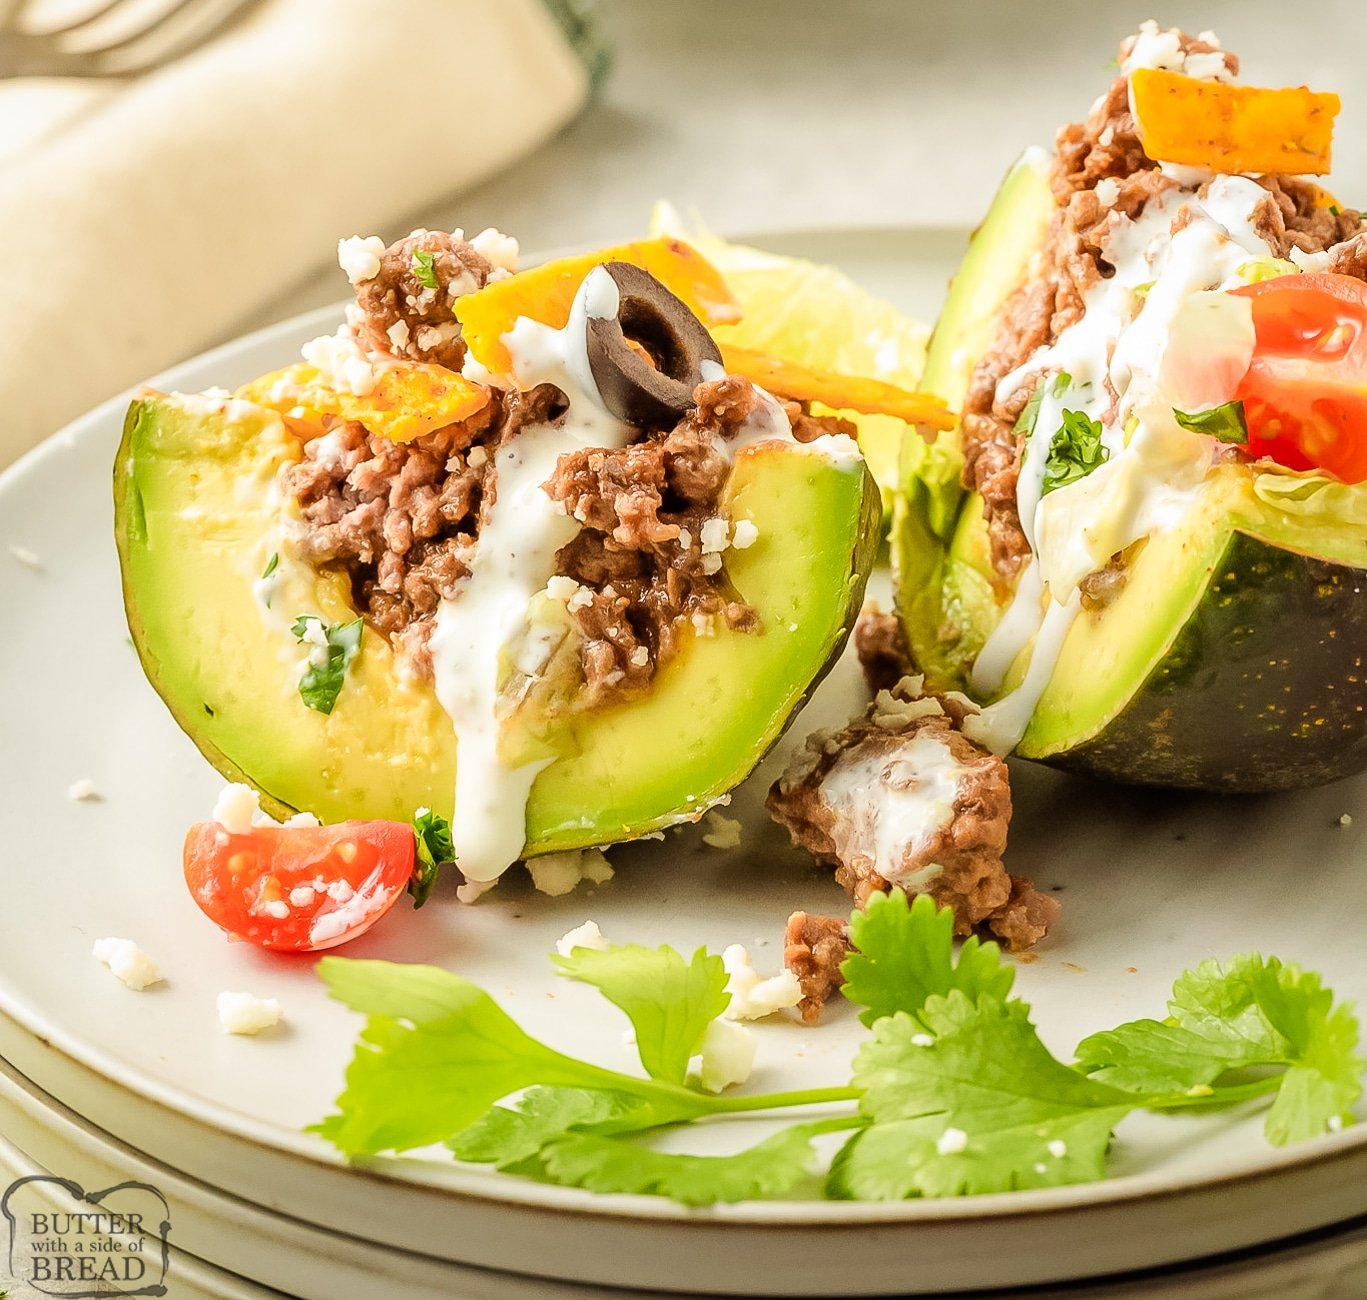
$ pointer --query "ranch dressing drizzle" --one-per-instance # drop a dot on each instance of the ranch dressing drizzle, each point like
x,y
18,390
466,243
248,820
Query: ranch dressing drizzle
x,y
513,560
1154,468
904,798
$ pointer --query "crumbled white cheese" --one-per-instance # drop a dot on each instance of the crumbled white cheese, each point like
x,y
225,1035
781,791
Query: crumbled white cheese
x,y
340,891
711,564
744,534
1058,1148
639,657
558,873
895,709
276,908
587,935
499,273
26,557
341,362
241,1013
581,599
723,832
685,539
561,587
133,966
236,807
301,819
302,896
715,536
752,995
360,257
499,250
1107,191
476,457
728,1055
82,789
398,334
951,1142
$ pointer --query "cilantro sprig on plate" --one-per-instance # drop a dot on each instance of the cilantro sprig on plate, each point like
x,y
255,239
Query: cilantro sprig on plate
x,y
953,1092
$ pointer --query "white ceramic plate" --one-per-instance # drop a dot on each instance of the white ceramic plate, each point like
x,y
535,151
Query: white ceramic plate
x,y
1151,883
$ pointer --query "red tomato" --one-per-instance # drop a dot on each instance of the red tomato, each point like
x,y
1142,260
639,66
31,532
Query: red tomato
x,y
1305,393
298,888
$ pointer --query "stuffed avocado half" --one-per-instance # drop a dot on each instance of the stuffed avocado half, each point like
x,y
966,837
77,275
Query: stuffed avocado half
x,y
565,603
1144,549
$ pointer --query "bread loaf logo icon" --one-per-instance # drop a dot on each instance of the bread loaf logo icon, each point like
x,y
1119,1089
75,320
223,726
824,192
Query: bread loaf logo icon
x,y
65,1241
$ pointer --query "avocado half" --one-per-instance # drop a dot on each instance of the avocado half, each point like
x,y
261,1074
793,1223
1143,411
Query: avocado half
x,y
195,515
1232,660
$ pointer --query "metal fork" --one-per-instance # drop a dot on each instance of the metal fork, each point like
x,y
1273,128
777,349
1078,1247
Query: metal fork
x,y
97,45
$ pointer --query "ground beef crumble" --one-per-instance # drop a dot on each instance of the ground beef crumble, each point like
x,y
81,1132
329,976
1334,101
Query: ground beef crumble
x,y
1105,147
405,310
880,641
838,795
401,520
813,948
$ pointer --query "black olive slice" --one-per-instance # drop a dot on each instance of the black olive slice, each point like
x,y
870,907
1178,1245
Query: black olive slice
x,y
649,396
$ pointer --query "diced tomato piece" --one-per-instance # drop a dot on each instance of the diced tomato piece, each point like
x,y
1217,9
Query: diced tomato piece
x,y
1305,392
298,888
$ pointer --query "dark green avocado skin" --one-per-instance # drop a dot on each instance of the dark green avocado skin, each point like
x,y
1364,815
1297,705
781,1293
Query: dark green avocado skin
x,y
1263,689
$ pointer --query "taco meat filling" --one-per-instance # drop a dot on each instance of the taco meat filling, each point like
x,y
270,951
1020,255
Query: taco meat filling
x,y
901,797
402,520
1101,179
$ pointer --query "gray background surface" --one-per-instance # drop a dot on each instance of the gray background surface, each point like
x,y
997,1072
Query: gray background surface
x,y
775,115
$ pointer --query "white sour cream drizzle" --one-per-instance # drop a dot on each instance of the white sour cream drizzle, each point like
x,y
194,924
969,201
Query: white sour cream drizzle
x,y
1155,469
489,618
512,562
897,802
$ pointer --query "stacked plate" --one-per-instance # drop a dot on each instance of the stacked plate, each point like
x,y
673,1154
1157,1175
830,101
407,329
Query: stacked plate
x,y
104,1086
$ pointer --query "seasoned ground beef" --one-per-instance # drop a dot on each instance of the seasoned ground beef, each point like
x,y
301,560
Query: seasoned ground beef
x,y
405,310
881,644
813,948
640,555
850,798
1104,147
401,520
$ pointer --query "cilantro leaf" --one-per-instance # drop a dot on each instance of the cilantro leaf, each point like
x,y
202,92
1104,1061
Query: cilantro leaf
x,y
424,269
322,681
1075,451
509,1135
271,565
432,835
435,1054
1250,1011
669,1002
1226,423
914,1157
903,954
966,1098
608,1164
1029,416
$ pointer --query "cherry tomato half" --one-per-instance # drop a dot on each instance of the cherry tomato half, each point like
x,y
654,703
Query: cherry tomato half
x,y
1305,393
298,888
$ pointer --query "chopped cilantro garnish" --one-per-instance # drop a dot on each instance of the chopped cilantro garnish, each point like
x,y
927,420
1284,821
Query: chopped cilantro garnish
x,y
433,838
1225,422
424,270
956,1092
322,679
271,565
1074,451
1025,422
1334,210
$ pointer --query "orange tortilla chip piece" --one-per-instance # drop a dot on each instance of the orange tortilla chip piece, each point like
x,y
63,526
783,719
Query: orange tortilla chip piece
x,y
545,293
409,399
1232,128
840,392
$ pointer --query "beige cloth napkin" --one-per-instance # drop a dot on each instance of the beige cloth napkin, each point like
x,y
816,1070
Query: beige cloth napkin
x,y
140,222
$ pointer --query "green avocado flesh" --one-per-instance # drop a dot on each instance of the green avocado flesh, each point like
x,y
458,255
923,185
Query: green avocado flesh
x,y
1232,658
197,522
